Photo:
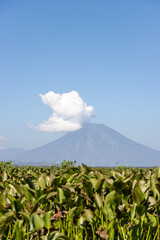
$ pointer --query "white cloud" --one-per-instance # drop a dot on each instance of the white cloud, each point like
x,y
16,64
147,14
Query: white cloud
x,y
69,112
2,139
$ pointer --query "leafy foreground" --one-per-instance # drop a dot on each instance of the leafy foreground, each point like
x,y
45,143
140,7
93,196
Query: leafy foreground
x,y
79,203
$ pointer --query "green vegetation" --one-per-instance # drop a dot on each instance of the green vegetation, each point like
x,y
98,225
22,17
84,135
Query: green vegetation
x,y
76,203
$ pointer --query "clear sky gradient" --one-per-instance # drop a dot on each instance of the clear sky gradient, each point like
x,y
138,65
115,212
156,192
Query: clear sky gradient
x,y
107,51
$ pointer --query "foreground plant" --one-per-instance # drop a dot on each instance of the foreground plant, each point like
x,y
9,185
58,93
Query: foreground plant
x,y
79,203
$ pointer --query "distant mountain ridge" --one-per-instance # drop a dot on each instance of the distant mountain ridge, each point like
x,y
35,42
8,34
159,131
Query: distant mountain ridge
x,y
93,145
10,154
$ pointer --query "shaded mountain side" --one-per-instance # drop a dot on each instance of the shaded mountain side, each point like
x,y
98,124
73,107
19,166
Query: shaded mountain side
x,y
94,145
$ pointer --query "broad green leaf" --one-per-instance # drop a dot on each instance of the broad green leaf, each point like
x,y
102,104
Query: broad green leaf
x,y
48,181
88,215
40,199
147,175
84,168
44,237
134,182
26,216
153,185
19,188
143,186
98,200
108,212
19,233
30,183
4,176
157,172
75,211
70,179
96,183
42,182
138,195
6,217
47,220
109,197
88,189
152,219
60,195
113,173
11,198
37,221
108,180
51,194
3,199
37,203
69,188
133,211
28,194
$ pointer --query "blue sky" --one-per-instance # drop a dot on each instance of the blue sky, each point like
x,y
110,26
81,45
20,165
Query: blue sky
x,y
107,51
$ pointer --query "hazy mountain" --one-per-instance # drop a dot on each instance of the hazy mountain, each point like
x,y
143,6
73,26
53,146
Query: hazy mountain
x,y
94,145
10,154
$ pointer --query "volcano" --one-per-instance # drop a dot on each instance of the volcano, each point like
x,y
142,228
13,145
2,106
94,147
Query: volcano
x,y
93,145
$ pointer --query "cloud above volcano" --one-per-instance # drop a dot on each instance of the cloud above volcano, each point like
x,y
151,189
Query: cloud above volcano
x,y
70,112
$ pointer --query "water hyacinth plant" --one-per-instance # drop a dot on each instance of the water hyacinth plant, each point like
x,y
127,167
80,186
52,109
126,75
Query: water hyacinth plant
x,y
68,202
